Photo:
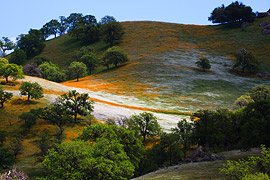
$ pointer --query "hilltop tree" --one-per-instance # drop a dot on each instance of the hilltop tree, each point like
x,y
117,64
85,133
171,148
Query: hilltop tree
x,y
18,57
246,61
32,43
115,55
107,19
62,25
76,104
5,45
4,97
112,31
90,60
203,63
145,124
77,70
235,12
51,28
31,90
11,70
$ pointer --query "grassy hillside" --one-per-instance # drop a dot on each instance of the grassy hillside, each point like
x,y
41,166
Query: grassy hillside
x,y
162,71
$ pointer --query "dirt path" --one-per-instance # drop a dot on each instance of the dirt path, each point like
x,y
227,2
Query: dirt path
x,y
108,106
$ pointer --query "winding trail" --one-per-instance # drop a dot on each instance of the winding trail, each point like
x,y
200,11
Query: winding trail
x,y
110,106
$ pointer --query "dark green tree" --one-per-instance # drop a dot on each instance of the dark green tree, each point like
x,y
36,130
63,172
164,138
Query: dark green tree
x,y
32,43
76,104
203,63
63,25
112,32
235,12
40,59
5,45
31,90
29,120
18,57
246,61
261,92
91,61
52,27
3,136
107,19
145,124
77,70
7,158
4,97
115,55
184,134
11,70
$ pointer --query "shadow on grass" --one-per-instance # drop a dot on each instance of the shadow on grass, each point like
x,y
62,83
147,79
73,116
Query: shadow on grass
x,y
20,101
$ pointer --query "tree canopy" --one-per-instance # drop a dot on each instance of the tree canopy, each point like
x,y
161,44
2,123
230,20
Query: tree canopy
x,y
246,61
235,12
31,90
77,70
114,55
203,63
11,70
5,45
112,31
4,97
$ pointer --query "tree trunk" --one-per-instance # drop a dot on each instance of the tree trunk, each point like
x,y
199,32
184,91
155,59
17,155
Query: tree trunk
x,y
6,79
2,104
28,98
144,138
77,77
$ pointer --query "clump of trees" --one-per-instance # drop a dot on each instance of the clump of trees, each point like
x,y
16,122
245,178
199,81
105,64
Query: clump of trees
x,y
233,13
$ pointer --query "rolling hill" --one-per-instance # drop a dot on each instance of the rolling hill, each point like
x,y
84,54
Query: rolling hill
x,y
162,73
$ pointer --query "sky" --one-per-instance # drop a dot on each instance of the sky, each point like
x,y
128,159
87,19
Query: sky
x,y
18,16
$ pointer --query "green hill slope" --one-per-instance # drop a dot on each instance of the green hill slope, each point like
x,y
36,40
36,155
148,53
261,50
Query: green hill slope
x,y
162,72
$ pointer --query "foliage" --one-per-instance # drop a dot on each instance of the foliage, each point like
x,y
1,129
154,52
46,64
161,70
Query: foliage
x,y
15,145
18,57
51,28
40,59
184,133
29,119
243,101
107,19
260,92
31,43
246,61
31,90
103,160
145,124
114,55
3,135
254,165
11,70
51,72
4,97
6,157
112,32
255,124
43,143
90,60
209,129
3,61
76,104
5,45
57,115
234,12
77,70
131,144
203,63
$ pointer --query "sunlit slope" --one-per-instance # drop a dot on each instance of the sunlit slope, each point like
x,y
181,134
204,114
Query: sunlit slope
x,y
162,70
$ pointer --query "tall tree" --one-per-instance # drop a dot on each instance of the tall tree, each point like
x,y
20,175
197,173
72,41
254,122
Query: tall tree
x,y
184,133
115,55
5,45
18,57
11,70
4,97
112,32
52,27
77,70
246,61
145,124
31,90
62,25
90,60
76,104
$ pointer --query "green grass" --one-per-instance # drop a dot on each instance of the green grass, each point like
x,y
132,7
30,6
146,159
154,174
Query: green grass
x,y
200,171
